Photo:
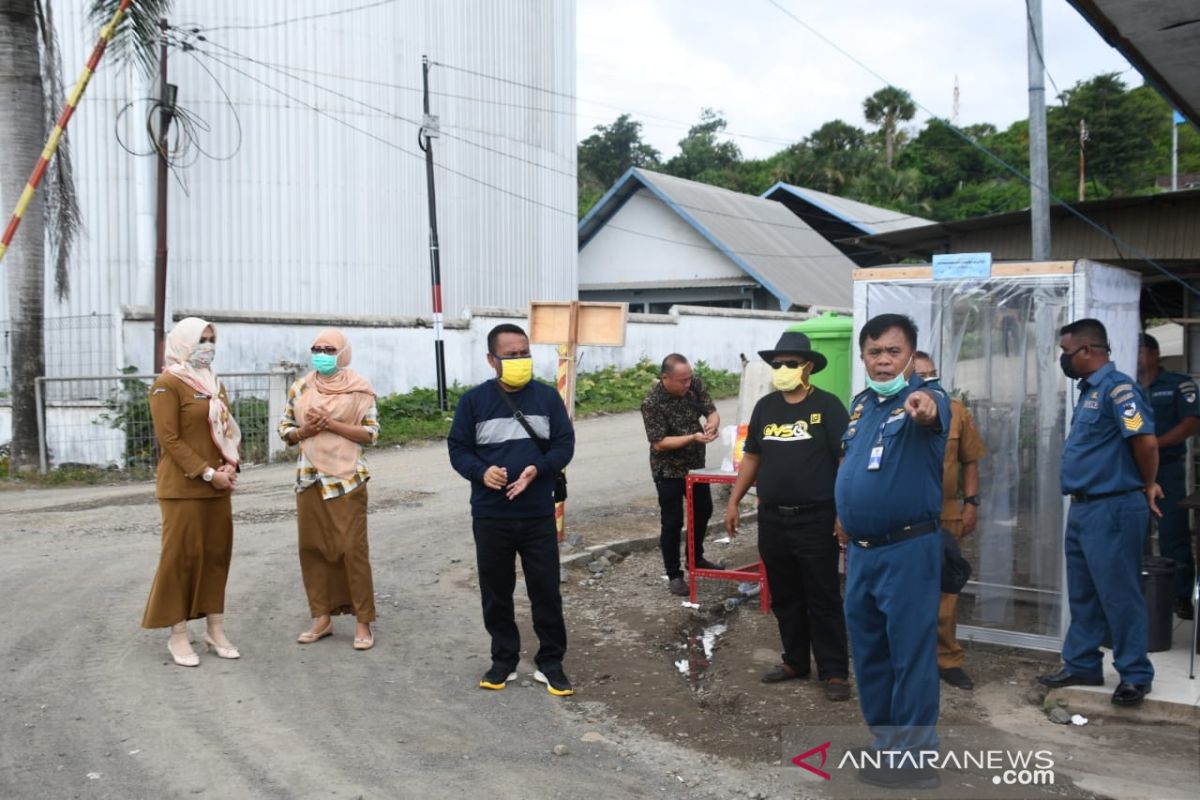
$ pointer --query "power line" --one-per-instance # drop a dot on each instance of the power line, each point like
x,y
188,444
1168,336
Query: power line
x,y
282,22
1136,251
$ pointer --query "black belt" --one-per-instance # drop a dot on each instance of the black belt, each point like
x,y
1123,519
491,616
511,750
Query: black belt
x,y
1084,497
898,535
803,508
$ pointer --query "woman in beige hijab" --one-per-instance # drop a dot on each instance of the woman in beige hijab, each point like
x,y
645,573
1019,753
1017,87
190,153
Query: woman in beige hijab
x,y
197,471
331,414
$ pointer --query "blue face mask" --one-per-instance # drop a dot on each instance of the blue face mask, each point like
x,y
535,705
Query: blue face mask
x,y
324,363
892,387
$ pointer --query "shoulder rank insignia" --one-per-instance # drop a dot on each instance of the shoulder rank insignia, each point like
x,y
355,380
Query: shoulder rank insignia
x,y
1120,388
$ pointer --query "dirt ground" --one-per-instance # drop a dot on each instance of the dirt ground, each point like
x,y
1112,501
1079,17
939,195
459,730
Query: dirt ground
x,y
645,654
92,707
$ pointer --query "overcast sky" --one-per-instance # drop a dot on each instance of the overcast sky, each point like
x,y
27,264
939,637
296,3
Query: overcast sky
x,y
663,60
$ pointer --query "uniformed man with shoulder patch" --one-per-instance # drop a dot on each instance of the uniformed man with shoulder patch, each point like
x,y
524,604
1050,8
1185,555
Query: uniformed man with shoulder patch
x,y
889,505
1176,406
1109,464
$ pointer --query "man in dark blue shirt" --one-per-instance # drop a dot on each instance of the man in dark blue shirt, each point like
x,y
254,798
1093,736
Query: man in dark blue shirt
x,y
512,503
1176,419
1109,463
889,503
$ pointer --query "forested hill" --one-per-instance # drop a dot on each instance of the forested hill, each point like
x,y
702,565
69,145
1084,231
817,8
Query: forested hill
x,y
931,172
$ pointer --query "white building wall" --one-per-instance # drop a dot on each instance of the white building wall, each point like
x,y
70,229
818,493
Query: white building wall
x,y
308,215
647,241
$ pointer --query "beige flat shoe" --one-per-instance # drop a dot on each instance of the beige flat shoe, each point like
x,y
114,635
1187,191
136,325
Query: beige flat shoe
x,y
364,644
308,637
222,652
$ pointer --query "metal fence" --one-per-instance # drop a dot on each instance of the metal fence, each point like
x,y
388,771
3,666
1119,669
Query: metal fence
x,y
80,345
104,421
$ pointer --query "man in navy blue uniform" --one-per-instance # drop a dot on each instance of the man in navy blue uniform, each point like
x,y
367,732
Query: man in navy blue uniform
x,y
1176,405
889,502
512,503
1109,465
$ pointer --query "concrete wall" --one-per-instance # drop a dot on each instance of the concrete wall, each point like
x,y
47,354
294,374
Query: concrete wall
x,y
396,354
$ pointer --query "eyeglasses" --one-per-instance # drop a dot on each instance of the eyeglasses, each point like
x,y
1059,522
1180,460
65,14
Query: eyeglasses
x,y
790,363
326,349
208,340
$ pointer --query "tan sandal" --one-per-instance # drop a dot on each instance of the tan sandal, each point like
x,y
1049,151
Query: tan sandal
x,y
364,644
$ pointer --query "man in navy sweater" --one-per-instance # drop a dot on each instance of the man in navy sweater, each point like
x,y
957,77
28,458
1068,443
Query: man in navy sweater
x,y
512,503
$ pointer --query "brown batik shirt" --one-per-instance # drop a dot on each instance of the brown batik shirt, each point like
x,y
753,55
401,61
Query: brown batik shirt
x,y
665,414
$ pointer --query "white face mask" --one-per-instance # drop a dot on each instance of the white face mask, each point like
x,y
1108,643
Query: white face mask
x,y
202,355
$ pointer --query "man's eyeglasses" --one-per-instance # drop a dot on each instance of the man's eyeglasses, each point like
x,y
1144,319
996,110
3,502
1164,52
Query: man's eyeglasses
x,y
790,363
327,350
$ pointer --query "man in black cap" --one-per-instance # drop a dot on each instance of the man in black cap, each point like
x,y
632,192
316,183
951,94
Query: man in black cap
x,y
793,445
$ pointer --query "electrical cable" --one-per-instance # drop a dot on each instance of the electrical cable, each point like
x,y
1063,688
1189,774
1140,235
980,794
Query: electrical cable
x,y
310,17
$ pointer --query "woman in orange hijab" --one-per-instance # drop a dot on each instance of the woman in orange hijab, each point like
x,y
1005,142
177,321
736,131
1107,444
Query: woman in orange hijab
x,y
197,471
331,414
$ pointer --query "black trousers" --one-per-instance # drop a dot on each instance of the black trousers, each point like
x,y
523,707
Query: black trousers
x,y
801,557
672,493
498,542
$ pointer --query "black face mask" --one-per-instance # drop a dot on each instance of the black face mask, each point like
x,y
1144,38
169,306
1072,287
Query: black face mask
x,y
1065,362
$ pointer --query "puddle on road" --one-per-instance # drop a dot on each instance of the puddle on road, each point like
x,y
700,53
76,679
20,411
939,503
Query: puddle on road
x,y
699,645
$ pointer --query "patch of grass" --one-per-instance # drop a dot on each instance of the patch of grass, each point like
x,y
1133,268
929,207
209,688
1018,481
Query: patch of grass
x,y
69,475
415,416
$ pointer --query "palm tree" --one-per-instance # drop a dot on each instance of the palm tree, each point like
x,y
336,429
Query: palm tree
x,y
31,92
887,108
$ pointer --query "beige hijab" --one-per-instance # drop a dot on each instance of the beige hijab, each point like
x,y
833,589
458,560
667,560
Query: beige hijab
x,y
182,339
347,397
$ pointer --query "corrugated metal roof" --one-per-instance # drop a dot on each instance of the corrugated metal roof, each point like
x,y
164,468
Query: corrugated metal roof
x,y
867,218
766,240
691,283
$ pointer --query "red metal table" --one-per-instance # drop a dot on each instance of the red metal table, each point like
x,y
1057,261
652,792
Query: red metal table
x,y
752,573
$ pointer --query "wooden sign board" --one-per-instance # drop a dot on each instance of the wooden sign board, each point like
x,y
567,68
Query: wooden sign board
x,y
596,324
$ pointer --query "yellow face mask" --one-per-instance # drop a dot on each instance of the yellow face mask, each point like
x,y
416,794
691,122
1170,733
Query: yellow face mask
x,y
787,379
516,372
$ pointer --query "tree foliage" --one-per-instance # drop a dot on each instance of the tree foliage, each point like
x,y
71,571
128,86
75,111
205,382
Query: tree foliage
x,y
933,171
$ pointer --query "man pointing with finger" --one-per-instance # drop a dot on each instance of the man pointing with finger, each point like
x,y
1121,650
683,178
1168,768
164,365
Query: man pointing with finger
x,y
889,502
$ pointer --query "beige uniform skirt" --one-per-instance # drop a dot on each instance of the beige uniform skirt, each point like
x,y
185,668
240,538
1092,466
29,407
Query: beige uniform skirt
x,y
197,544
334,556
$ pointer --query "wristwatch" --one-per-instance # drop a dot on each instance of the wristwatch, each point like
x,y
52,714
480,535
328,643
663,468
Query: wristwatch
x,y
972,499
209,472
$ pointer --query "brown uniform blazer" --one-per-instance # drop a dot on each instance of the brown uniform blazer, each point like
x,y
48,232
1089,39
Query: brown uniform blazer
x,y
186,447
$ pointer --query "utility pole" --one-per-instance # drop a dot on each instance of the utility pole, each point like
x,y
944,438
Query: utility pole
x,y
1176,121
1083,137
430,129
166,112
1039,168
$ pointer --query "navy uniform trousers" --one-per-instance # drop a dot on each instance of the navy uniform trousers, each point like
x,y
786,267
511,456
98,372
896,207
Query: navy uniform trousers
x,y
892,597
1103,538
1174,535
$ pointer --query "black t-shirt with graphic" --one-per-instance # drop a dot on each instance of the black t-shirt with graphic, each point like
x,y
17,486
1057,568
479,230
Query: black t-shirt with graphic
x,y
798,446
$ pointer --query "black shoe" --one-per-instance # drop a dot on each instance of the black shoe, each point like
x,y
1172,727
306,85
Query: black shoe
x,y
704,563
1130,694
497,677
888,778
1183,608
836,689
555,680
679,587
783,672
1057,680
957,678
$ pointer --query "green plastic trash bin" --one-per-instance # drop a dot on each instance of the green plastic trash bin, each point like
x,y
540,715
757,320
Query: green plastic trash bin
x,y
832,335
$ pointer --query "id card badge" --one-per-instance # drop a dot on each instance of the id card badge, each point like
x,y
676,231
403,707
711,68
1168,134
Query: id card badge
x,y
876,459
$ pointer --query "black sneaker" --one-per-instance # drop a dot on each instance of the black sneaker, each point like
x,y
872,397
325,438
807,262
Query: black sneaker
x,y
497,677
679,587
555,680
704,563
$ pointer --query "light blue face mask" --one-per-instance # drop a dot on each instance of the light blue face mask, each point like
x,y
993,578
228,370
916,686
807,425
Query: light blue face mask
x,y
892,387
324,363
